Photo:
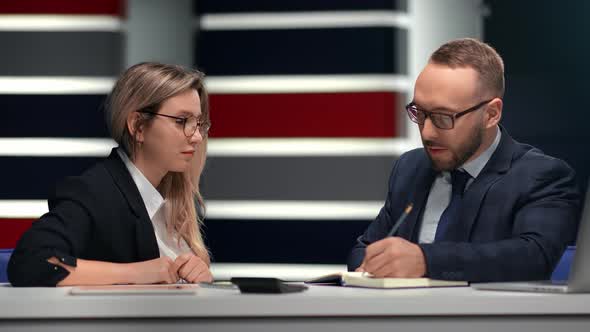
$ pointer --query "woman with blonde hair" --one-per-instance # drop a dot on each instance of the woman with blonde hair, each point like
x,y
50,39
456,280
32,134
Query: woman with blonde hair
x,y
132,217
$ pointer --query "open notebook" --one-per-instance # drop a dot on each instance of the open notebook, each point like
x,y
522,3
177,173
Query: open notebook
x,y
361,279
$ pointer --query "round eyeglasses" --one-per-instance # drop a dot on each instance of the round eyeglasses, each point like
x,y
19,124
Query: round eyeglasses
x,y
190,124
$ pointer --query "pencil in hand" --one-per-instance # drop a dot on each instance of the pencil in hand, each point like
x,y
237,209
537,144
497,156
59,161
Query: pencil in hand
x,y
400,220
394,228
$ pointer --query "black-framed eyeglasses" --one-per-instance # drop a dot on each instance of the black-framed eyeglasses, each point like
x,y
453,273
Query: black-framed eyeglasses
x,y
439,120
190,123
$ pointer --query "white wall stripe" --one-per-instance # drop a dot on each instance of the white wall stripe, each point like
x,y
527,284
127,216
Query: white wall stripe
x,y
287,272
25,209
304,147
308,83
43,23
303,20
55,147
217,85
55,85
293,210
257,210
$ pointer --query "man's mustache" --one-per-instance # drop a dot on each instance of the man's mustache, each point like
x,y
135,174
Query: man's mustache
x,y
429,143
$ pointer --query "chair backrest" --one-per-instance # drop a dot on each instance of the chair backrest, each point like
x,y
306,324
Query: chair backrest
x,y
11,230
4,258
563,267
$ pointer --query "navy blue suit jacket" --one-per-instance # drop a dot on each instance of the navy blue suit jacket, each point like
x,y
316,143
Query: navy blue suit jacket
x,y
517,216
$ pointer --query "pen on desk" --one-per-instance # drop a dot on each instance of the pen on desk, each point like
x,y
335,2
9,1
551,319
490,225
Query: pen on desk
x,y
400,220
393,229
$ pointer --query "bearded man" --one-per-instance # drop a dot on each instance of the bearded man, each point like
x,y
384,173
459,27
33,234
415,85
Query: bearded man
x,y
485,207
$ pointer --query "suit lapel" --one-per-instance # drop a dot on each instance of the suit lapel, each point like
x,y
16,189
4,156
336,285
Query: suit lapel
x,y
147,246
473,198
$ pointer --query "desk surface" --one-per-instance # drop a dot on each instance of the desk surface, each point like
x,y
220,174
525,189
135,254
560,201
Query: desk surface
x,y
318,301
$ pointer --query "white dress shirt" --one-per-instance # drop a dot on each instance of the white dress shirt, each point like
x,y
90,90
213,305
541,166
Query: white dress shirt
x,y
156,208
440,193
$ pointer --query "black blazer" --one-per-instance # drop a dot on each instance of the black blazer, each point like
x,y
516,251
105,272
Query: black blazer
x,y
517,216
99,215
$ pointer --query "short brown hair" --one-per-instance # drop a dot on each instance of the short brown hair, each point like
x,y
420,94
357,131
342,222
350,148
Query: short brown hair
x,y
469,52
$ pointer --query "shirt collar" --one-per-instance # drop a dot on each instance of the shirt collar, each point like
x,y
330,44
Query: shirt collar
x,y
151,197
475,166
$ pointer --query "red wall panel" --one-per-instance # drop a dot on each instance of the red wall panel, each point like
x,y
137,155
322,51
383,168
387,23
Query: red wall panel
x,y
11,230
363,115
81,7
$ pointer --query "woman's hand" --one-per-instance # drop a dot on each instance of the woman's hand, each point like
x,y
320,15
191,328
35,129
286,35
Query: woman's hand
x,y
192,268
159,270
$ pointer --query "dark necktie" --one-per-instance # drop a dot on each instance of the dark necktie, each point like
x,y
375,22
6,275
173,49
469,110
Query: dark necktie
x,y
458,181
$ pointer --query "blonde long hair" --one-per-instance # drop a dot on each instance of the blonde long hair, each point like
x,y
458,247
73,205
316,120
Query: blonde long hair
x,y
146,86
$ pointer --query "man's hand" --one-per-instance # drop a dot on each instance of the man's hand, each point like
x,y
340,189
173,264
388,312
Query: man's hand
x,y
394,257
192,268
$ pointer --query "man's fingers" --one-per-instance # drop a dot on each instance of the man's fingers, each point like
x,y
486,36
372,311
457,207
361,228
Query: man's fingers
x,y
376,263
386,270
376,248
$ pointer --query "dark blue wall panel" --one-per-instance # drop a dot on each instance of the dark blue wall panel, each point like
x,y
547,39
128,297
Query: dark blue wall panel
x,y
301,51
36,177
241,6
282,241
546,58
53,116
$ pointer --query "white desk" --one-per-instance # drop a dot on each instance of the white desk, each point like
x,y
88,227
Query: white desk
x,y
321,308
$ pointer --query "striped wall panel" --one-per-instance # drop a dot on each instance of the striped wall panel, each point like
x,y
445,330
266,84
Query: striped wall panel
x,y
307,118
58,61
307,110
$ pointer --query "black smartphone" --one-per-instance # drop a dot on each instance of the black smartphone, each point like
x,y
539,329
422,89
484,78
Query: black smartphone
x,y
266,285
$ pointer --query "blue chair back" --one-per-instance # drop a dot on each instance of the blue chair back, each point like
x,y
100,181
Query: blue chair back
x,y
563,267
4,258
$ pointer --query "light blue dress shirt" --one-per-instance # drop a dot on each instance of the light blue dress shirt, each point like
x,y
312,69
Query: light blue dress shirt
x,y
440,193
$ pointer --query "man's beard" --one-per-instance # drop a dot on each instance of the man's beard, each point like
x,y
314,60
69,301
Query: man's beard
x,y
460,154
